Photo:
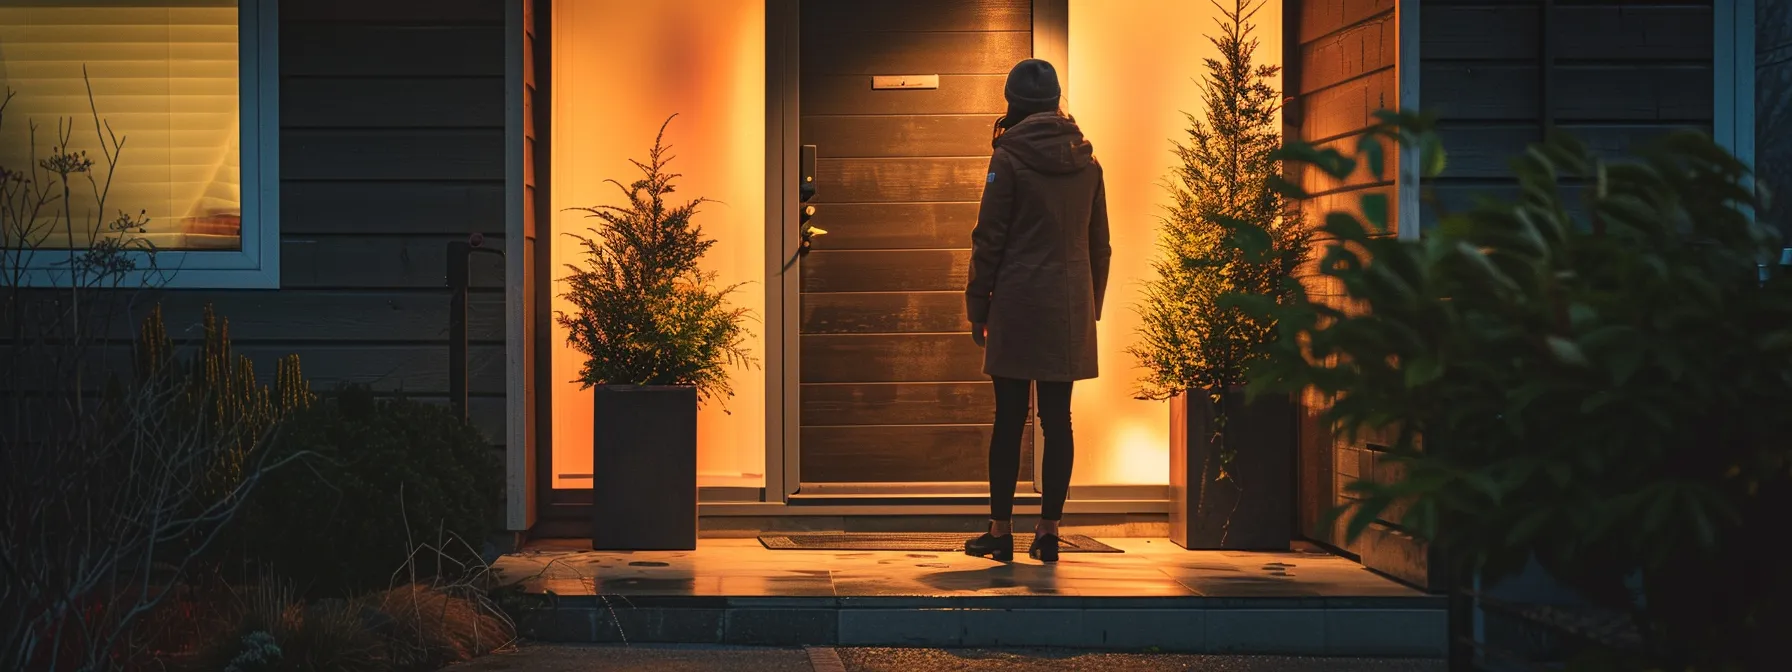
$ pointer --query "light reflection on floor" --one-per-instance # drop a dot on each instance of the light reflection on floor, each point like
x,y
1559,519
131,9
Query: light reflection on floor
x,y
744,568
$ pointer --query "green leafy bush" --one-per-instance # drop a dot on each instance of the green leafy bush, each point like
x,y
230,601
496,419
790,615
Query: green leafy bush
x,y
1597,383
645,314
388,476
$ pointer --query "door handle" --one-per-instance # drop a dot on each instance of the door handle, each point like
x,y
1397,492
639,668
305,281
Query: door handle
x,y
806,189
806,178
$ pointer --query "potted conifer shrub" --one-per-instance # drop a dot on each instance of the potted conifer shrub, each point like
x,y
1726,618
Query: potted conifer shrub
x,y
659,337
1228,231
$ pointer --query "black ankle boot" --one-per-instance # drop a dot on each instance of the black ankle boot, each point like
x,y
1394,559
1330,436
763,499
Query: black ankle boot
x,y
1044,548
1000,549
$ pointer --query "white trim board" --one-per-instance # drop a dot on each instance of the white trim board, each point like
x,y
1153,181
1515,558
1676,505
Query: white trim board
x,y
1406,18
783,321
1733,70
519,473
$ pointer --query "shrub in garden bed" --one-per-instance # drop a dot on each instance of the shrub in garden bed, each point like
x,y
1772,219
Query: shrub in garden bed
x,y
267,627
124,479
386,477
1591,377
120,477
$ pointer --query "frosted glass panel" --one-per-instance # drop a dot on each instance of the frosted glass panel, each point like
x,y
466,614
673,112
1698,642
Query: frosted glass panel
x,y
1132,75
620,68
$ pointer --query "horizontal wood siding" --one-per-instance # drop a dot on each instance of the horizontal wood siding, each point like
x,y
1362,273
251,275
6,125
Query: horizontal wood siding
x,y
848,94
391,147
392,137
883,52
846,454
910,16
898,403
362,316
886,270
1341,70
885,312
899,180
900,135
879,358
1612,73
1498,74
901,226
1343,64
329,207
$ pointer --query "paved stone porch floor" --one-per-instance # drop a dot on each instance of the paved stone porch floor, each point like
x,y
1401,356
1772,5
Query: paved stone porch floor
x,y
1154,596
744,568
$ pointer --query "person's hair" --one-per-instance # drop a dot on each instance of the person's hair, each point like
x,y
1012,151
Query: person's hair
x,y
1018,112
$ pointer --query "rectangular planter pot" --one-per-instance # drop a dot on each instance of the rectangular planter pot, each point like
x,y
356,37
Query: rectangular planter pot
x,y
1254,508
644,466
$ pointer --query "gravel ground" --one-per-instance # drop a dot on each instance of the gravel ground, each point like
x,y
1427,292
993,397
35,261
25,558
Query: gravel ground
x,y
1023,660
697,658
657,658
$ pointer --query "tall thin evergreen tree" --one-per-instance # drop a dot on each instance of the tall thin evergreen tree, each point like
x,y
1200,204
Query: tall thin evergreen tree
x,y
1228,230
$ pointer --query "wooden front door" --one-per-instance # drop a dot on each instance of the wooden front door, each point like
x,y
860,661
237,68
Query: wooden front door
x,y
892,385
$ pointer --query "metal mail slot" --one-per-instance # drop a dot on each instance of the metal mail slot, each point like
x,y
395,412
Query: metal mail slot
x,y
883,82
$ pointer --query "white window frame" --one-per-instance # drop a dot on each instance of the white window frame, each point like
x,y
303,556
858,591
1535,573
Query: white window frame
x,y
256,262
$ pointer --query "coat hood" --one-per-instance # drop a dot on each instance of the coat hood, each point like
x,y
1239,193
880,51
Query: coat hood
x,y
1048,143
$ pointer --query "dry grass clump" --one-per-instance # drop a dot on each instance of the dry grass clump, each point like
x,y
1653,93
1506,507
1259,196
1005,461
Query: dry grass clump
x,y
413,627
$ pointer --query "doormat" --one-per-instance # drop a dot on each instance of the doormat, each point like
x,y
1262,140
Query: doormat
x,y
938,542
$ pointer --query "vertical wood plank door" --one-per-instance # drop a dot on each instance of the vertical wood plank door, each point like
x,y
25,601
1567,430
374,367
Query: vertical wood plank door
x,y
893,389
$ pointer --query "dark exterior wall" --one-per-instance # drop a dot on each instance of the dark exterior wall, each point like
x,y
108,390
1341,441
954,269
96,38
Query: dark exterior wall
x,y
1499,73
392,145
1343,64
1609,72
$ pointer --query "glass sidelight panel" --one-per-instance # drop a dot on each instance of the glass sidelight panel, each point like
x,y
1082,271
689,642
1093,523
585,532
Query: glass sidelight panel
x,y
620,68
1132,76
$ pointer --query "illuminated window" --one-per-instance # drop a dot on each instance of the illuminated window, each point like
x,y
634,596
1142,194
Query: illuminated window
x,y
186,90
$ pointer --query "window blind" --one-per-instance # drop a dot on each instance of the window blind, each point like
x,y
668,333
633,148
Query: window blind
x,y
164,76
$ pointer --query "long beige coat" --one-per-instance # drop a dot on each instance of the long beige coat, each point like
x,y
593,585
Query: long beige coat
x,y
1039,259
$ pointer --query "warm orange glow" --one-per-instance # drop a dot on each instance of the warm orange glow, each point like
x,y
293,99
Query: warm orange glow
x,y
620,68
1132,75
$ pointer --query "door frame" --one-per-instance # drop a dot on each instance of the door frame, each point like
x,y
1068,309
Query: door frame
x,y
783,362
783,455
532,496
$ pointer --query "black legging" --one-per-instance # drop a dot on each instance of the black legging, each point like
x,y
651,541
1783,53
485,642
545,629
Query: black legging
x,y
1004,445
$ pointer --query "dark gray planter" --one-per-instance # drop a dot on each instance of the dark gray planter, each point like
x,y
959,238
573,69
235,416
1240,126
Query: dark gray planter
x,y
1253,510
644,466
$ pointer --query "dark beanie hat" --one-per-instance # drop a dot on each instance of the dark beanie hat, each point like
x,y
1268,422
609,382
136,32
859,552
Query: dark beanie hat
x,y
1032,84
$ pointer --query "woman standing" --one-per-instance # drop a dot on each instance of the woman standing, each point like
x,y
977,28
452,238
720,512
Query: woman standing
x,y
1039,269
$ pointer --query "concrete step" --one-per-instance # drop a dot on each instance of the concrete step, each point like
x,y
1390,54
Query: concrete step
x,y
1328,626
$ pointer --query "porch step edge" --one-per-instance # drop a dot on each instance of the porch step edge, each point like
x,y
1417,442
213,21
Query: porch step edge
x,y
522,600
1385,631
